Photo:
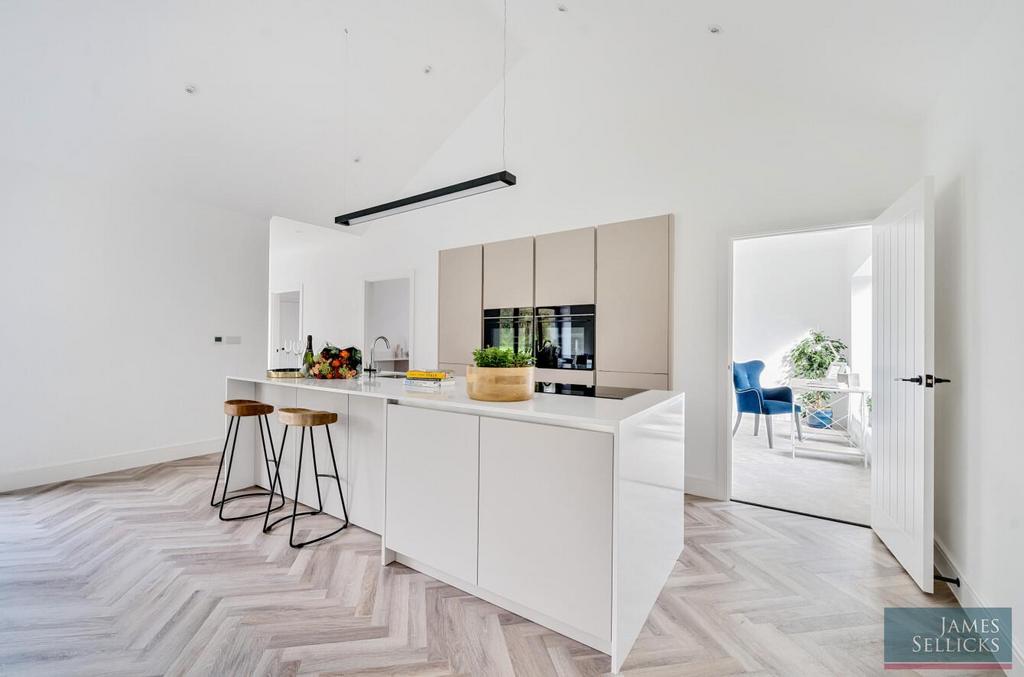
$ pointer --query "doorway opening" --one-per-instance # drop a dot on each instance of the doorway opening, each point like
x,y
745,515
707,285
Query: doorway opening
x,y
802,360
286,342
388,312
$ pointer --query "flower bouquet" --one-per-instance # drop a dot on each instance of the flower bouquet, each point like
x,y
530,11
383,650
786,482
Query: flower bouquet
x,y
335,362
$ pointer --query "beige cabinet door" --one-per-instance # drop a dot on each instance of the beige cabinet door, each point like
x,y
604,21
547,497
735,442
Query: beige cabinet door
x,y
622,379
459,303
508,274
565,268
633,292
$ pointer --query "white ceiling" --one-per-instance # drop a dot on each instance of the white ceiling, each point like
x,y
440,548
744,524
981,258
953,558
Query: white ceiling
x,y
287,101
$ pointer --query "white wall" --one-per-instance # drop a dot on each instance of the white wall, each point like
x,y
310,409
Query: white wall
x,y
111,300
974,145
327,266
387,314
785,285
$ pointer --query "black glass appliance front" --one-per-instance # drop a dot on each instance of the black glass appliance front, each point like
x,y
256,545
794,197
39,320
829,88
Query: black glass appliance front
x,y
603,392
565,337
509,328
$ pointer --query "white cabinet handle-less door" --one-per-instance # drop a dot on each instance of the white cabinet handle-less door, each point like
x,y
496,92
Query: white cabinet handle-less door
x,y
902,483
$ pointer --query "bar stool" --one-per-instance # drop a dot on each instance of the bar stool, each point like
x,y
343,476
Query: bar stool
x,y
239,409
305,418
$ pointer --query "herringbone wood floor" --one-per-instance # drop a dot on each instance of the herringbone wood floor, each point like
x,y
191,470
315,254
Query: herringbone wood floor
x,y
131,573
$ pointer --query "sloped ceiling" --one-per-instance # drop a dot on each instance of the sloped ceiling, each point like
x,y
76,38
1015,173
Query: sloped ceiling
x,y
296,117
286,100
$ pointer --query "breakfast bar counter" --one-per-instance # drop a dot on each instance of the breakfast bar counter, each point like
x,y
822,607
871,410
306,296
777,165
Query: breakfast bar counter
x,y
566,510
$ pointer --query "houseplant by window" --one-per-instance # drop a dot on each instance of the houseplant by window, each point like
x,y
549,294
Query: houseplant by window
x,y
810,359
500,375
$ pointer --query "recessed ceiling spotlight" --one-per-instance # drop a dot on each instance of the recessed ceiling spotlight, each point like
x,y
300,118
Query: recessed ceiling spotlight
x,y
714,29
562,8
356,159
191,89
427,69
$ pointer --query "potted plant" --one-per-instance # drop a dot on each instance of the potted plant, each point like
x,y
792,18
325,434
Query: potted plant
x,y
500,375
811,359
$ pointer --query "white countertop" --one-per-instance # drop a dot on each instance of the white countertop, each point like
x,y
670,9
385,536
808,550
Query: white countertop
x,y
568,410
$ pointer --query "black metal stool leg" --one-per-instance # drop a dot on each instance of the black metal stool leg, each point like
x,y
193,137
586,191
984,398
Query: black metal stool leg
x,y
316,473
266,460
298,481
277,476
227,474
224,451
337,476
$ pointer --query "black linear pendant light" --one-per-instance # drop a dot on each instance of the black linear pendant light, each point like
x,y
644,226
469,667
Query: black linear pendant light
x,y
455,191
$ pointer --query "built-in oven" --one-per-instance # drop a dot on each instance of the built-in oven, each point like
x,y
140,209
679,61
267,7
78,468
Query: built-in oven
x,y
509,328
565,337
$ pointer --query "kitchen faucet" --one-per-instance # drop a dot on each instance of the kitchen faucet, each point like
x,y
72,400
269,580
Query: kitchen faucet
x,y
371,370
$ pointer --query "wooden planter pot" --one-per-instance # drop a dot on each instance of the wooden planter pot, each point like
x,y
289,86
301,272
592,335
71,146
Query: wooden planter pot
x,y
499,384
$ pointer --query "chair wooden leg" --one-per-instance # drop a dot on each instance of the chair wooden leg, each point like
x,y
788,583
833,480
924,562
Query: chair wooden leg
x,y
768,427
757,423
799,430
736,426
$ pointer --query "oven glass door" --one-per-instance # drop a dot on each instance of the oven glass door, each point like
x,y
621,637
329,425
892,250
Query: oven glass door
x,y
509,328
565,340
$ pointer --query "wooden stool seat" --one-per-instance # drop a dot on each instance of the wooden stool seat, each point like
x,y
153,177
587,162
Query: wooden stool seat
x,y
242,408
306,418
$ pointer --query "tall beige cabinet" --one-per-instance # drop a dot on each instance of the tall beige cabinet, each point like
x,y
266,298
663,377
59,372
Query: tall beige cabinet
x,y
508,274
565,268
459,300
634,282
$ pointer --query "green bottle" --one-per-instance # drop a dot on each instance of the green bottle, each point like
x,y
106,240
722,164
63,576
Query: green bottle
x,y
307,357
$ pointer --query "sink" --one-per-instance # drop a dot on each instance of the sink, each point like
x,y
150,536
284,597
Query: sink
x,y
389,375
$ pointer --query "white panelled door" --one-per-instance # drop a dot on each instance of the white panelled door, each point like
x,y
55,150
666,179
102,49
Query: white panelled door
x,y
903,381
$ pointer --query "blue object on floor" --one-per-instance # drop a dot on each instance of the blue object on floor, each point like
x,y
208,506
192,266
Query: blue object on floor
x,y
820,418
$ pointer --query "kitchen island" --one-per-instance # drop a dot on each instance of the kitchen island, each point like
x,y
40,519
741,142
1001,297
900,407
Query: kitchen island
x,y
565,510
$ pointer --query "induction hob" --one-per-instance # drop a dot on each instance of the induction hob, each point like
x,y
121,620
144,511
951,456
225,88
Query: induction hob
x,y
603,392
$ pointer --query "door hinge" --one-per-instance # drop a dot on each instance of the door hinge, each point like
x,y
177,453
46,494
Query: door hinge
x,y
930,381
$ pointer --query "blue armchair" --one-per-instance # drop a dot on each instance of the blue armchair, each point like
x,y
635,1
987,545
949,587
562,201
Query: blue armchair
x,y
751,398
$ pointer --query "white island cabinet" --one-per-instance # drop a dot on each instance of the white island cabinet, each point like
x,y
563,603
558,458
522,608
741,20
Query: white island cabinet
x,y
553,550
565,510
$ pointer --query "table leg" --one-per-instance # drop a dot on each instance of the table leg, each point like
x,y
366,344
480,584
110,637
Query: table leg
x,y
792,434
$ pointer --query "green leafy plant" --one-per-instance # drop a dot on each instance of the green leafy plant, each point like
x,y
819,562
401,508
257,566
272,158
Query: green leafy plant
x,y
501,357
811,358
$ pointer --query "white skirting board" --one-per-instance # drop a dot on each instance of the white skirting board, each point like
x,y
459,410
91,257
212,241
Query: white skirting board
x,y
703,487
33,477
965,594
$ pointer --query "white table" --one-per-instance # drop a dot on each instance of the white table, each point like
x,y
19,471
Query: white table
x,y
841,391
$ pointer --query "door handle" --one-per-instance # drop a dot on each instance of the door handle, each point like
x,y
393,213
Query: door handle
x,y
932,381
917,379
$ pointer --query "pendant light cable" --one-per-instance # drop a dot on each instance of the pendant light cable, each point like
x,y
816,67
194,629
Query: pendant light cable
x,y
348,71
504,81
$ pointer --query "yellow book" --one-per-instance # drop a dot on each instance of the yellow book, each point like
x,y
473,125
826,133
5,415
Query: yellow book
x,y
430,375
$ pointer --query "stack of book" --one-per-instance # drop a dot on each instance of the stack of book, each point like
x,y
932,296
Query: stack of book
x,y
430,381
